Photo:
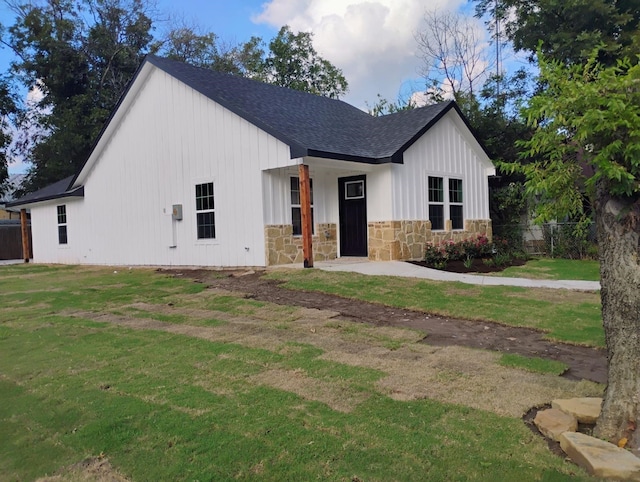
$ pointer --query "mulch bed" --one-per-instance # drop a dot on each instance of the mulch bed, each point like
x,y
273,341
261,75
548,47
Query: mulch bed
x,y
477,266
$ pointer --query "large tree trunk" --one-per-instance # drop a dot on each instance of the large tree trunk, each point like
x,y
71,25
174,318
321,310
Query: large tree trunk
x,y
618,230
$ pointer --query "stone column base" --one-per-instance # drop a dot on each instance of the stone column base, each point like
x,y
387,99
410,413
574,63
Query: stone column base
x,y
282,247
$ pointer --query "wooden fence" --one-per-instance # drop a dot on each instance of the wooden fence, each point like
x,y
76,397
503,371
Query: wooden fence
x,y
11,240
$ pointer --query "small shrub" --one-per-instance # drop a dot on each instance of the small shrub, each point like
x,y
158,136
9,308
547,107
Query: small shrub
x,y
437,255
468,262
502,259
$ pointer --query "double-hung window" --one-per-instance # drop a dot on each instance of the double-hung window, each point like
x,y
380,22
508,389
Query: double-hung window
x,y
443,201
62,224
455,204
205,211
296,209
436,202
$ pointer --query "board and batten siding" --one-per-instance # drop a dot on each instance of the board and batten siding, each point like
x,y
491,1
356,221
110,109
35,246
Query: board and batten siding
x,y
447,149
170,139
325,174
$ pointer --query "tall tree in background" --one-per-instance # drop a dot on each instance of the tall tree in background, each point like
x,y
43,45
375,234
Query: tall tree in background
x,y
7,111
569,31
188,44
293,62
454,54
78,56
81,55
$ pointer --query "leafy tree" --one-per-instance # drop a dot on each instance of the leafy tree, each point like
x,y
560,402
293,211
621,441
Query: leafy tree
x,y
587,119
569,30
293,62
8,110
81,54
384,106
206,50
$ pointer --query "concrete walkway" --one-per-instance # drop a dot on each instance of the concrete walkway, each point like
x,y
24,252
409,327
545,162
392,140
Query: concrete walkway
x,y
10,261
408,270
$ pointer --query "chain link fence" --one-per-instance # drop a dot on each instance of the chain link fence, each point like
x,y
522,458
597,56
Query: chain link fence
x,y
554,240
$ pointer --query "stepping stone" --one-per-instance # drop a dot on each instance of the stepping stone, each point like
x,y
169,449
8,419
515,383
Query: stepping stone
x,y
586,410
553,422
600,458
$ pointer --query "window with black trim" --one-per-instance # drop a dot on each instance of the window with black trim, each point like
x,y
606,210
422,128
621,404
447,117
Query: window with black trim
x,y
455,204
62,224
436,202
205,211
296,210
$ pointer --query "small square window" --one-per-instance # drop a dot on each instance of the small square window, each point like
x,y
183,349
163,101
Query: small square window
x,y
354,190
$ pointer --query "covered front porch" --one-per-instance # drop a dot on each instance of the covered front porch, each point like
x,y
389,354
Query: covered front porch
x,y
350,213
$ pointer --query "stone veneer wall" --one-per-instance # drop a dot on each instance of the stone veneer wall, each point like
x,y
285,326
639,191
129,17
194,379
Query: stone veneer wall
x,y
282,247
394,240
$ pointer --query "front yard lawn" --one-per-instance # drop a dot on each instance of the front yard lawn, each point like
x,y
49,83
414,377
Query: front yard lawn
x,y
171,381
554,268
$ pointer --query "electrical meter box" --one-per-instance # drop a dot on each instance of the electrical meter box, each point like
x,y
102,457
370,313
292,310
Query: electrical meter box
x,y
176,212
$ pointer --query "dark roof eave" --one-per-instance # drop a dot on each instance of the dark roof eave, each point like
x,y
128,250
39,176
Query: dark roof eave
x,y
77,192
352,158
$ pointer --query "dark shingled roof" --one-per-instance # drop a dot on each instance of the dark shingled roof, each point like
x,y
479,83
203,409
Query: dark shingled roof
x,y
56,190
310,124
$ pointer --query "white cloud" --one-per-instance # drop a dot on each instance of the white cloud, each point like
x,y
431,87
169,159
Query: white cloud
x,y
371,41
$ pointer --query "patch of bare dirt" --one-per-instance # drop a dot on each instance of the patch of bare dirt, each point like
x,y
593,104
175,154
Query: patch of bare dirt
x,y
92,469
409,370
584,362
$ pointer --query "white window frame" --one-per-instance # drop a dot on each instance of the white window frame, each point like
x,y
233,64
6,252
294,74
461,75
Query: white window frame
x,y
346,189
205,210
61,211
446,199
451,203
298,205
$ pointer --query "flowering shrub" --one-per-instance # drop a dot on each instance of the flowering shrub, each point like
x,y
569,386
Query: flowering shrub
x,y
437,255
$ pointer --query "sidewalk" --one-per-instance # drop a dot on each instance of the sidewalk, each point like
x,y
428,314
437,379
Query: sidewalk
x,y
10,261
408,270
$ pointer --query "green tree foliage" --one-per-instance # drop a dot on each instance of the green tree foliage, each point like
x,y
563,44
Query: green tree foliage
x,y
7,111
81,54
207,50
587,123
569,30
384,106
293,62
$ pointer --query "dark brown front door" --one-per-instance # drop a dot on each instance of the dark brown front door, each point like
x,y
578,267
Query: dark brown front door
x,y
353,215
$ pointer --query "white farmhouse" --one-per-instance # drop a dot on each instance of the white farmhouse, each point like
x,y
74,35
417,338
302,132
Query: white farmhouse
x,y
197,167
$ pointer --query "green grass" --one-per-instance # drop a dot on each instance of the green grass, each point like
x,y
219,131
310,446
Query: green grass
x,y
163,406
564,315
557,269
533,364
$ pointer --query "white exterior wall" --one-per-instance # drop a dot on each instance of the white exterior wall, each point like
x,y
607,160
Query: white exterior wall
x,y
324,174
169,140
447,149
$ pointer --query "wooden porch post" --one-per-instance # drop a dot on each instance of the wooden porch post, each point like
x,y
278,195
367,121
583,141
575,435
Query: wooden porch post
x,y
305,208
25,235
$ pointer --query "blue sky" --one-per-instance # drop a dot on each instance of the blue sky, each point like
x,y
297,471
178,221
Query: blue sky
x,y
372,41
